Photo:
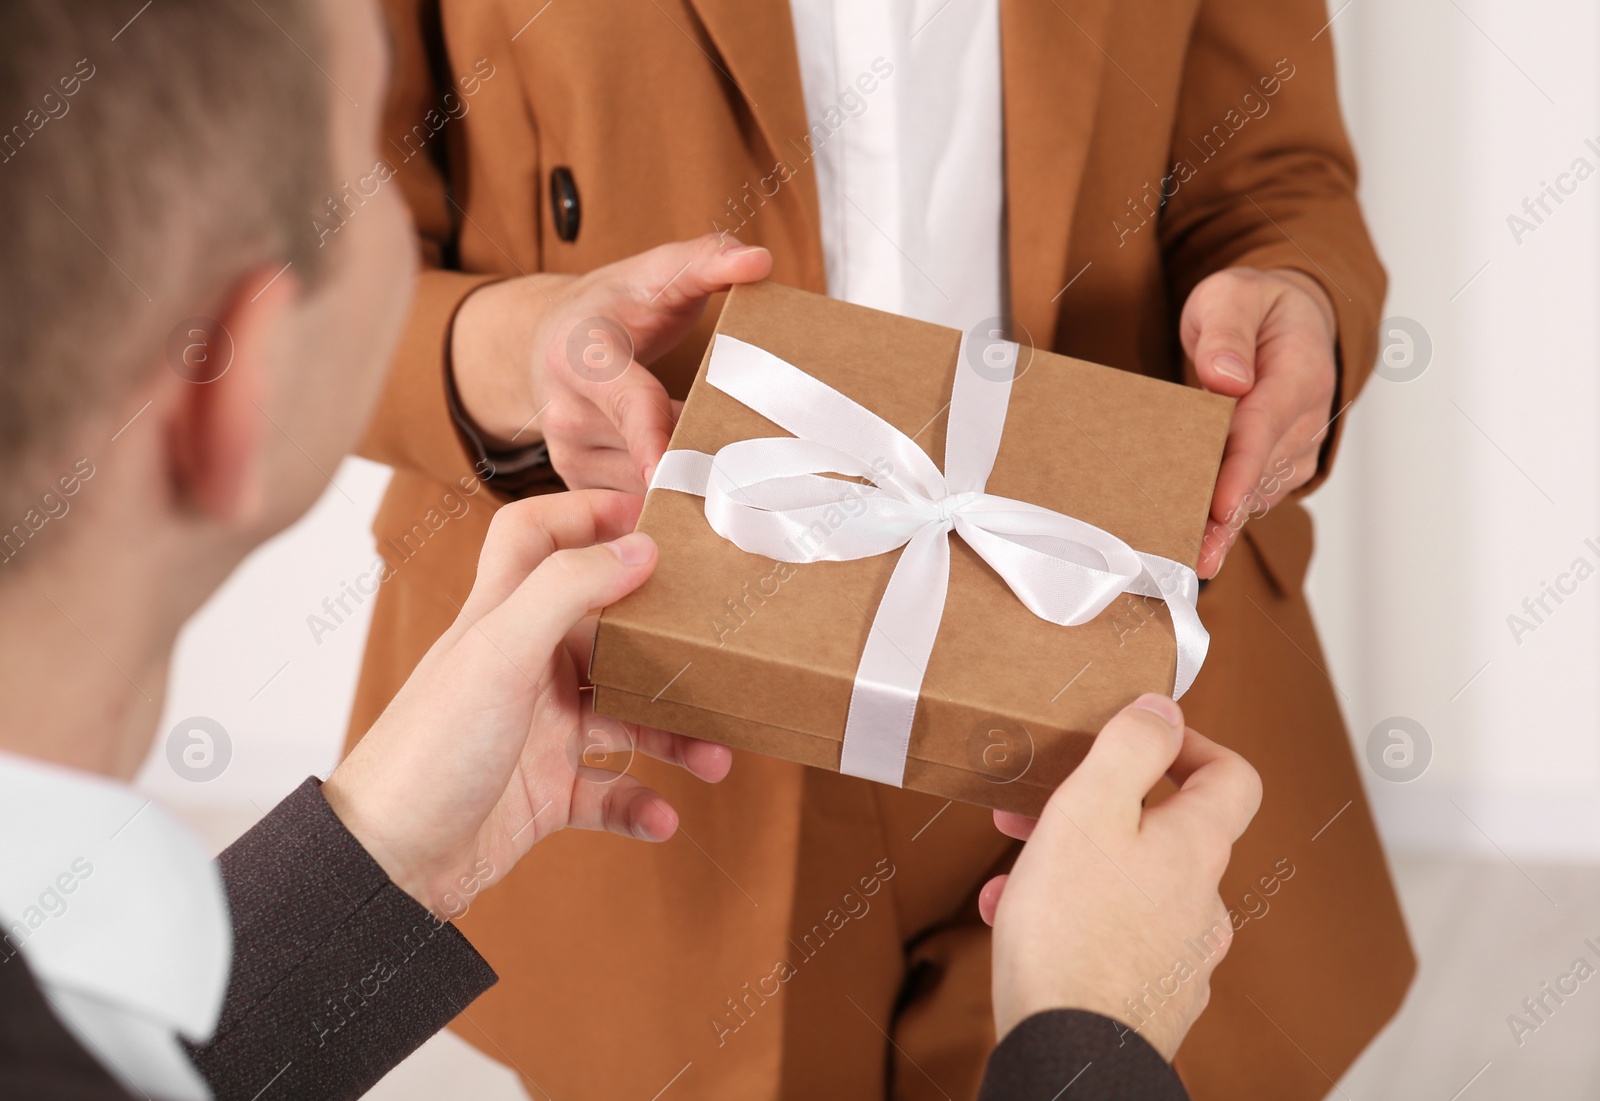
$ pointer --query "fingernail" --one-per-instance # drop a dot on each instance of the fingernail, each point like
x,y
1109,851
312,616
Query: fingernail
x,y
1232,367
740,250
645,834
1164,706
649,472
632,549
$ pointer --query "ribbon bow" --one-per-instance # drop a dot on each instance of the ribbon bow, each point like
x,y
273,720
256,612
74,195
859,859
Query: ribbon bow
x,y
768,497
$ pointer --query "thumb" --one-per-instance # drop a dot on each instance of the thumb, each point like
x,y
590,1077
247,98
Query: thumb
x,y
1129,757
682,274
1218,329
524,533
564,589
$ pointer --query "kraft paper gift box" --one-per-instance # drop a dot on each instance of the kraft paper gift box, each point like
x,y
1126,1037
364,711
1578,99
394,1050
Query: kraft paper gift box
x,y
763,654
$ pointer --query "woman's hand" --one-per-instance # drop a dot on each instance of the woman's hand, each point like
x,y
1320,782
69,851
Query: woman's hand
x,y
1267,338
563,358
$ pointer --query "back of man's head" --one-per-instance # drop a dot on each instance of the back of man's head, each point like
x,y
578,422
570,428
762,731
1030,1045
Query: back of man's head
x,y
148,157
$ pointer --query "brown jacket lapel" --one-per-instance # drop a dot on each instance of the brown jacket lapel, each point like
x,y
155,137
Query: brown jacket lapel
x,y
1053,71
1052,80
755,43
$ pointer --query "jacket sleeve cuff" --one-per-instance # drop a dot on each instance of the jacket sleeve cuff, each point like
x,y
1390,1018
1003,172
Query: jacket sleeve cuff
x,y
514,473
338,974
1042,1056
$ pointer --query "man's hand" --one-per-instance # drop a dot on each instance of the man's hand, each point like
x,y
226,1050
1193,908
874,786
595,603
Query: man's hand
x,y
563,357
480,755
1108,900
1266,338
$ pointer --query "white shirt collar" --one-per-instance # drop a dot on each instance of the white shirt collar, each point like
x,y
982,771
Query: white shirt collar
x,y
121,916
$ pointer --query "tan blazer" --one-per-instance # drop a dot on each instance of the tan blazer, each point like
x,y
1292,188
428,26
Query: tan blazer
x,y
680,117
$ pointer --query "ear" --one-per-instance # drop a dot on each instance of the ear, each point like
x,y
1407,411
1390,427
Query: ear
x,y
215,433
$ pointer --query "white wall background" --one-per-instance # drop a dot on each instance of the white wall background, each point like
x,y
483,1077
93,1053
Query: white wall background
x,y
251,661
1461,493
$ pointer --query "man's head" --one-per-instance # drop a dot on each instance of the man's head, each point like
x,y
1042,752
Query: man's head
x,y
194,310
163,171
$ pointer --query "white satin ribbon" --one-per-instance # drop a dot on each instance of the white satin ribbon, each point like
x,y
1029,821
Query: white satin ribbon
x,y
767,496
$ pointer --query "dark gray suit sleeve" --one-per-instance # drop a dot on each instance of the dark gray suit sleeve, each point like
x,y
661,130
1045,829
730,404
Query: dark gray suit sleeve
x,y
1100,1059
338,975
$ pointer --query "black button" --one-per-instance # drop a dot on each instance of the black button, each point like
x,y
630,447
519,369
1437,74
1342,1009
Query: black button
x,y
565,210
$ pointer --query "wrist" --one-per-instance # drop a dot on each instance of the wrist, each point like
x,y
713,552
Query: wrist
x,y
1162,1031
491,361
344,797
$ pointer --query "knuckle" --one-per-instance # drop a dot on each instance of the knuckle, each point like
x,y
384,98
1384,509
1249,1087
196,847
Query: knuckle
x,y
1223,922
514,520
563,419
642,402
1228,335
1221,286
1323,371
1216,856
564,459
517,513
1250,782
634,287
507,518
1241,276
621,404
1208,849
1241,773
506,522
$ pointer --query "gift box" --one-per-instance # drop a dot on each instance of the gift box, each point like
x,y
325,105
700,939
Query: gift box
x,y
830,592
